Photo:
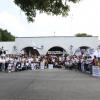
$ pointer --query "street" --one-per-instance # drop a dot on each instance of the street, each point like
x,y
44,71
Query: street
x,y
57,84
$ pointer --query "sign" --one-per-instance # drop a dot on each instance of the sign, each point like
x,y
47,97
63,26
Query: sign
x,y
42,65
50,66
96,71
55,52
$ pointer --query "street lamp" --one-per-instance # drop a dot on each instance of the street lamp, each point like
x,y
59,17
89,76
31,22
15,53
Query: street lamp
x,y
71,49
14,49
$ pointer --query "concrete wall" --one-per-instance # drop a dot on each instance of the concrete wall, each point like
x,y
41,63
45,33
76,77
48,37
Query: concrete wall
x,y
7,46
61,41
49,42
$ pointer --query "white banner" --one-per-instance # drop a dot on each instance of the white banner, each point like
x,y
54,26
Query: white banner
x,y
42,65
55,52
96,71
50,66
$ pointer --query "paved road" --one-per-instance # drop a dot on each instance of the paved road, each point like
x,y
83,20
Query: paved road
x,y
49,85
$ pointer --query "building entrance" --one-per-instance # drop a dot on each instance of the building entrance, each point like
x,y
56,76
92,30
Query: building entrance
x,y
31,51
57,51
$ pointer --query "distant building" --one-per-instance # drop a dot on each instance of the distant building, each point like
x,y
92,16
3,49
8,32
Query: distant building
x,y
50,45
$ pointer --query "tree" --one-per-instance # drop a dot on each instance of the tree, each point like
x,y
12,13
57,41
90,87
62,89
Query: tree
x,y
6,36
55,7
82,35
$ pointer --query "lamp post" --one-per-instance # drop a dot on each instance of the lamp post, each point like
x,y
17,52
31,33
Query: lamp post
x,y
71,49
15,50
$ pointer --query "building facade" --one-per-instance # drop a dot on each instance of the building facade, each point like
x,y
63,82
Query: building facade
x,y
44,45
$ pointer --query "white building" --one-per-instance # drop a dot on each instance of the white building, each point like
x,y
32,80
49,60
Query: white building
x,y
41,45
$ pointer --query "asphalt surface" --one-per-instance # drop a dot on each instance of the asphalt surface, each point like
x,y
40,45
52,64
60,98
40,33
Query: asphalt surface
x,y
49,85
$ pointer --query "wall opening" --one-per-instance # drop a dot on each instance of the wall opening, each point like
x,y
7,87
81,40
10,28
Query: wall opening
x,y
83,50
30,51
56,50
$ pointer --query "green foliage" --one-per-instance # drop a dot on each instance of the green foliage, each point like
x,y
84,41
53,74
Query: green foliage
x,y
54,7
6,36
83,35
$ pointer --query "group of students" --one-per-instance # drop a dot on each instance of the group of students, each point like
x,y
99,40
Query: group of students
x,y
11,63
17,63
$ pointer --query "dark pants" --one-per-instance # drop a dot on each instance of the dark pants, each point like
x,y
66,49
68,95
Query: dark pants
x,y
86,67
0,66
6,66
79,66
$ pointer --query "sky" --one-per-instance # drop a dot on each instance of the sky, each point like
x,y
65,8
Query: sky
x,y
84,17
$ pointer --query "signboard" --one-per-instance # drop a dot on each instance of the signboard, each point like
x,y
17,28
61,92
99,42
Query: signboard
x,y
55,52
96,71
50,66
42,65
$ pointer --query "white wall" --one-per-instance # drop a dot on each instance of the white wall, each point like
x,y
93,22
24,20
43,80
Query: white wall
x,y
49,42
7,46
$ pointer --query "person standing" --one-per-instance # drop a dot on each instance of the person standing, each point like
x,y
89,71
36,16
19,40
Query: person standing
x,y
42,63
6,63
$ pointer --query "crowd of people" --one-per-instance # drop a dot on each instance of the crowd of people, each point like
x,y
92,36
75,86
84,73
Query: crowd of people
x,y
10,63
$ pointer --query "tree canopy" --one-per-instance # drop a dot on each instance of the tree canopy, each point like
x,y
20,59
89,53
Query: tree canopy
x,y
54,7
6,36
82,35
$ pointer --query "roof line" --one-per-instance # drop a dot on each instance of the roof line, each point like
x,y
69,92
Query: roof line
x,y
50,36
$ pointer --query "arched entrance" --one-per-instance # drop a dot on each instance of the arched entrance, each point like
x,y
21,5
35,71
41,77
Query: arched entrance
x,y
56,50
83,50
30,51
84,47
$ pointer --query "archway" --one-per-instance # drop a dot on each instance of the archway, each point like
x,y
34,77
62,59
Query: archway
x,y
84,47
56,50
30,51
83,50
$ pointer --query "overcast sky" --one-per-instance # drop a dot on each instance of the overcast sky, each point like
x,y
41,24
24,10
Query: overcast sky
x,y
84,17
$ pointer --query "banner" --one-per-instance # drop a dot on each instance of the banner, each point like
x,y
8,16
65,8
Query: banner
x,y
50,66
55,52
96,71
42,65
